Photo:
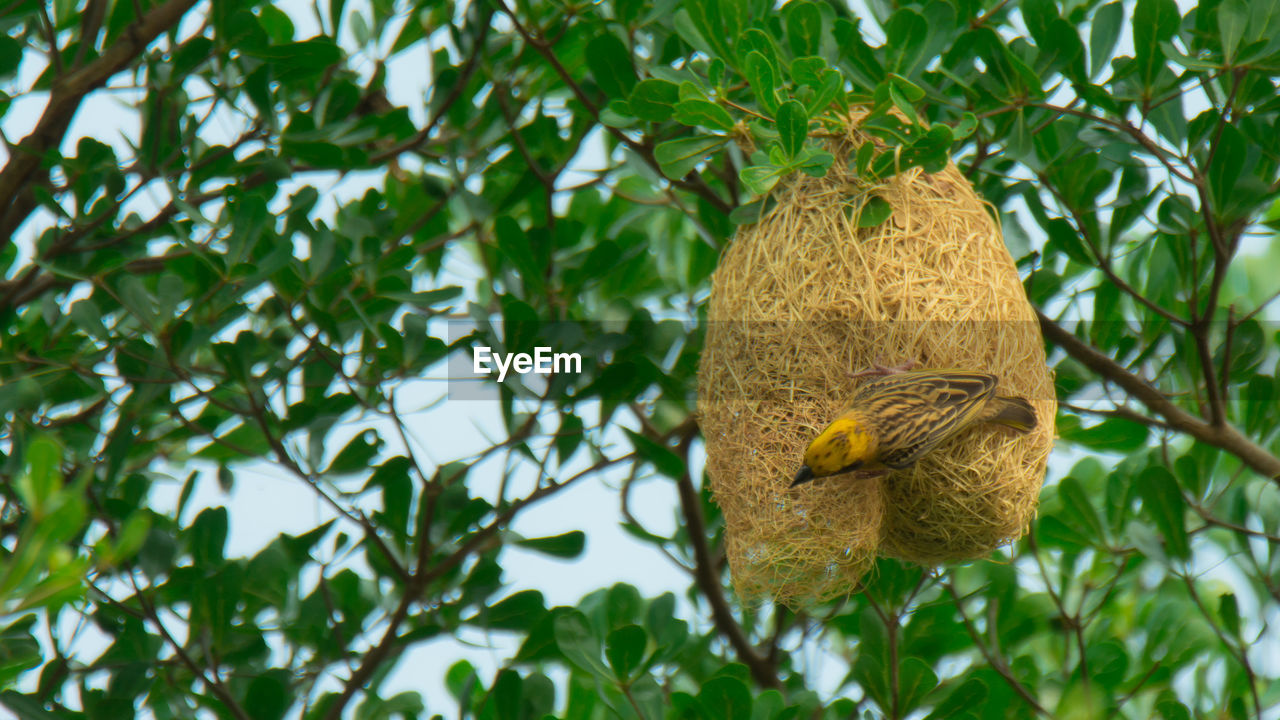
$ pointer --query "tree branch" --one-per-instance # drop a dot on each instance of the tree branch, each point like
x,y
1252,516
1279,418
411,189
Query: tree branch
x,y
390,640
996,662
1224,437
764,672
692,182
69,90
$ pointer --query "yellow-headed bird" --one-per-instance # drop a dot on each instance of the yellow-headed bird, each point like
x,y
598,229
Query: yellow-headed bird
x,y
894,420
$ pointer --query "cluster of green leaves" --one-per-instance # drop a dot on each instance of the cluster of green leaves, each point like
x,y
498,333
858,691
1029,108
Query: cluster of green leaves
x,y
778,85
246,317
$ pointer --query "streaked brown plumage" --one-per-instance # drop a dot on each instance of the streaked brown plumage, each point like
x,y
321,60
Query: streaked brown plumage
x,y
896,419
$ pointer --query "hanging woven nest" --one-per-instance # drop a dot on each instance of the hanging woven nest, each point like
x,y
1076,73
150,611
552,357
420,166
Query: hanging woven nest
x,y
805,297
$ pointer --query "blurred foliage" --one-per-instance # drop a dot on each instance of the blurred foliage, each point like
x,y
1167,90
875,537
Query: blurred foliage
x,y
184,299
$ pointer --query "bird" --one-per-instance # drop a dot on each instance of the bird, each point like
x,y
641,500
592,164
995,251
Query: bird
x,y
895,420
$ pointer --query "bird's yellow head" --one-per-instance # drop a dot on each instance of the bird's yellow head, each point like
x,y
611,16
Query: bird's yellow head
x,y
844,446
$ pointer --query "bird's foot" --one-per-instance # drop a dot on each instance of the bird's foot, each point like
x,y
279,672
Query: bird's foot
x,y
880,369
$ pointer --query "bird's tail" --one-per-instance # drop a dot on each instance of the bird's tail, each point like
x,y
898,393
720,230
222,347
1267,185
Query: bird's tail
x,y
1011,412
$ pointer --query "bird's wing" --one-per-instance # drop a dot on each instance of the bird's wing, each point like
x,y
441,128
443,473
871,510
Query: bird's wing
x,y
917,411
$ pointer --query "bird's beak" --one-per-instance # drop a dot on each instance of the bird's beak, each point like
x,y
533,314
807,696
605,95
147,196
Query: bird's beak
x,y
803,476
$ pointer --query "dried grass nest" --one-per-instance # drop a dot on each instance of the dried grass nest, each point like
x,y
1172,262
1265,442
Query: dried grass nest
x,y
805,296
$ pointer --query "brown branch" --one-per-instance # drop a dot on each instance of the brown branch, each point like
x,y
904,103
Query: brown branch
x,y
1237,649
762,670
1072,624
1129,129
1121,412
996,662
20,291
692,182
212,681
1103,258
390,640
455,92
90,23
1224,437
19,176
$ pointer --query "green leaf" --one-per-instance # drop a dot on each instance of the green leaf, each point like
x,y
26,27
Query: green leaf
x,y
1233,20
519,611
40,484
158,550
1163,502
1170,708
135,296
1225,167
760,74
793,127
901,102
1259,398
866,68
506,694
678,158
1108,663
610,64
931,150
208,537
664,459
814,162
569,437
299,60
1111,435
694,112
804,27
357,455
760,179
963,699
870,673
909,90
825,93
10,55
808,70
752,212
1078,509
461,680
1063,238
132,534
653,100
756,40
516,248
875,211
1154,21
915,681
568,545
725,698
335,14
26,707
650,697
907,34
863,158
268,696
625,650
577,643
1229,611
712,22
